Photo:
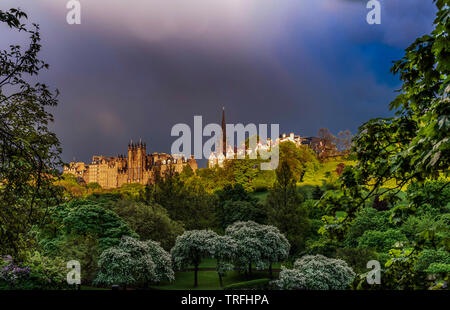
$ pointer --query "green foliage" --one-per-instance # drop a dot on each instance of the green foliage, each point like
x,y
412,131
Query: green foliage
x,y
245,172
86,218
400,273
72,188
411,147
285,210
234,203
357,258
188,202
367,219
30,151
382,241
150,222
316,273
299,159
37,272
430,197
436,268
235,211
94,186
428,257
435,226
264,180
186,173
132,191
81,230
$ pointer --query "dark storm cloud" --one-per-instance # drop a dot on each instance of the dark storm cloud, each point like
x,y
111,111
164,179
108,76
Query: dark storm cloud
x,y
133,68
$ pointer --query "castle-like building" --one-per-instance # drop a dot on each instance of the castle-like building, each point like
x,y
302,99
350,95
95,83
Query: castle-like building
x,y
137,167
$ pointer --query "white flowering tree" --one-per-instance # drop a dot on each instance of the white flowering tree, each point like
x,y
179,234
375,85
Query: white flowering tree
x,y
163,262
134,262
316,272
275,244
192,247
257,244
225,251
116,267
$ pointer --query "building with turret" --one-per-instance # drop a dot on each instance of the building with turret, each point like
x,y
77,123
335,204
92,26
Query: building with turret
x,y
137,167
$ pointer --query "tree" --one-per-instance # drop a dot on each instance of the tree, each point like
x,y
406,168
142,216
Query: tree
x,y
257,244
413,146
150,222
81,230
245,171
132,191
276,246
316,273
225,250
249,245
344,142
115,267
30,151
163,261
191,248
83,218
186,173
186,202
299,158
234,203
134,262
327,145
234,211
285,210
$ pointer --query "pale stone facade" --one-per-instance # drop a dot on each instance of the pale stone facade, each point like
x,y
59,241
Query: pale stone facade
x,y
137,167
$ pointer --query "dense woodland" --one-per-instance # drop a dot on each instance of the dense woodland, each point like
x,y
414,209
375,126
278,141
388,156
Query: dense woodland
x,y
313,223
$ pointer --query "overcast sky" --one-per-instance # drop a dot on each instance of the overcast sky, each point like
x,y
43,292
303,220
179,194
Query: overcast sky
x,y
134,68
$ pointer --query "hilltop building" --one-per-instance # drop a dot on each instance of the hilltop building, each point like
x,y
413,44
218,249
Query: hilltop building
x,y
137,167
229,152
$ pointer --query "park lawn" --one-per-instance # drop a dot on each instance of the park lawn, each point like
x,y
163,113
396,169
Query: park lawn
x,y
208,280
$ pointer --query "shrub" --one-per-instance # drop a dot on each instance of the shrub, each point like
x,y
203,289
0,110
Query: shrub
x,y
316,273
382,241
428,257
36,272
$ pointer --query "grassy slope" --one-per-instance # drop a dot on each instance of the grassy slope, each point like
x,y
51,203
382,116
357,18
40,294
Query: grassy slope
x,y
318,176
310,180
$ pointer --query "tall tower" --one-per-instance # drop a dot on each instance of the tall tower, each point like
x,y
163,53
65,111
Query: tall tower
x,y
224,132
129,162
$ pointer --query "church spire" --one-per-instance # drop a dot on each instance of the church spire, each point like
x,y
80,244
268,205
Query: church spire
x,y
224,132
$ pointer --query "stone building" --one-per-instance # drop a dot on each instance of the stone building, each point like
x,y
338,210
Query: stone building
x,y
137,167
